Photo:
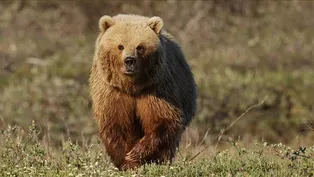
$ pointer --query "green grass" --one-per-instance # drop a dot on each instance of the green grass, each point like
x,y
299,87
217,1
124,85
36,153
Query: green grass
x,y
30,156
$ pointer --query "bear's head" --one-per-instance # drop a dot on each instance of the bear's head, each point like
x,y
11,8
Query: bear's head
x,y
129,51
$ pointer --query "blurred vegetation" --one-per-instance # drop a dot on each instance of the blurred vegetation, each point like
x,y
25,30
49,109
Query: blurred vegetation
x,y
240,51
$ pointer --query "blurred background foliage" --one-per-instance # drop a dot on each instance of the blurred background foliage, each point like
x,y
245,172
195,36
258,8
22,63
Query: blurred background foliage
x,y
240,51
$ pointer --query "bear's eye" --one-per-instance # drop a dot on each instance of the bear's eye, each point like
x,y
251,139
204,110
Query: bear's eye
x,y
140,48
120,47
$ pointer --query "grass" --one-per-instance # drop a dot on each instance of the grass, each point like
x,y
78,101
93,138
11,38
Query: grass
x,y
30,156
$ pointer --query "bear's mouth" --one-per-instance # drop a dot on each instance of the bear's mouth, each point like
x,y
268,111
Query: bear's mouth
x,y
128,71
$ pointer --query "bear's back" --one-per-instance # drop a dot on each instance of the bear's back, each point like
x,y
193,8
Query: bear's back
x,y
181,77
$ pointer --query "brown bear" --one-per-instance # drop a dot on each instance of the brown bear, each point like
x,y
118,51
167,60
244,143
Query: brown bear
x,y
143,90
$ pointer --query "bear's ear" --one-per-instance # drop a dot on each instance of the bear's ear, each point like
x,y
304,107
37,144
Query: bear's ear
x,y
105,22
156,24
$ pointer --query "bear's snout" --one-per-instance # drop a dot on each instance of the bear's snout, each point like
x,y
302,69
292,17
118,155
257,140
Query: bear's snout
x,y
130,65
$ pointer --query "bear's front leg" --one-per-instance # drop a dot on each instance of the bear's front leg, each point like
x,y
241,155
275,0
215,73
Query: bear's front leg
x,y
162,125
113,137
116,126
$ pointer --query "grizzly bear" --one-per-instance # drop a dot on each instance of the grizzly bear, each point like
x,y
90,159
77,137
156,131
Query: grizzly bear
x,y
143,90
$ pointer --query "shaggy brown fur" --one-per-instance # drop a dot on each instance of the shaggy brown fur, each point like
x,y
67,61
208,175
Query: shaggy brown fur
x,y
141,114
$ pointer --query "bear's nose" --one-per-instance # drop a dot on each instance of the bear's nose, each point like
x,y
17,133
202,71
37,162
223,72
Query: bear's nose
x,y
129,61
